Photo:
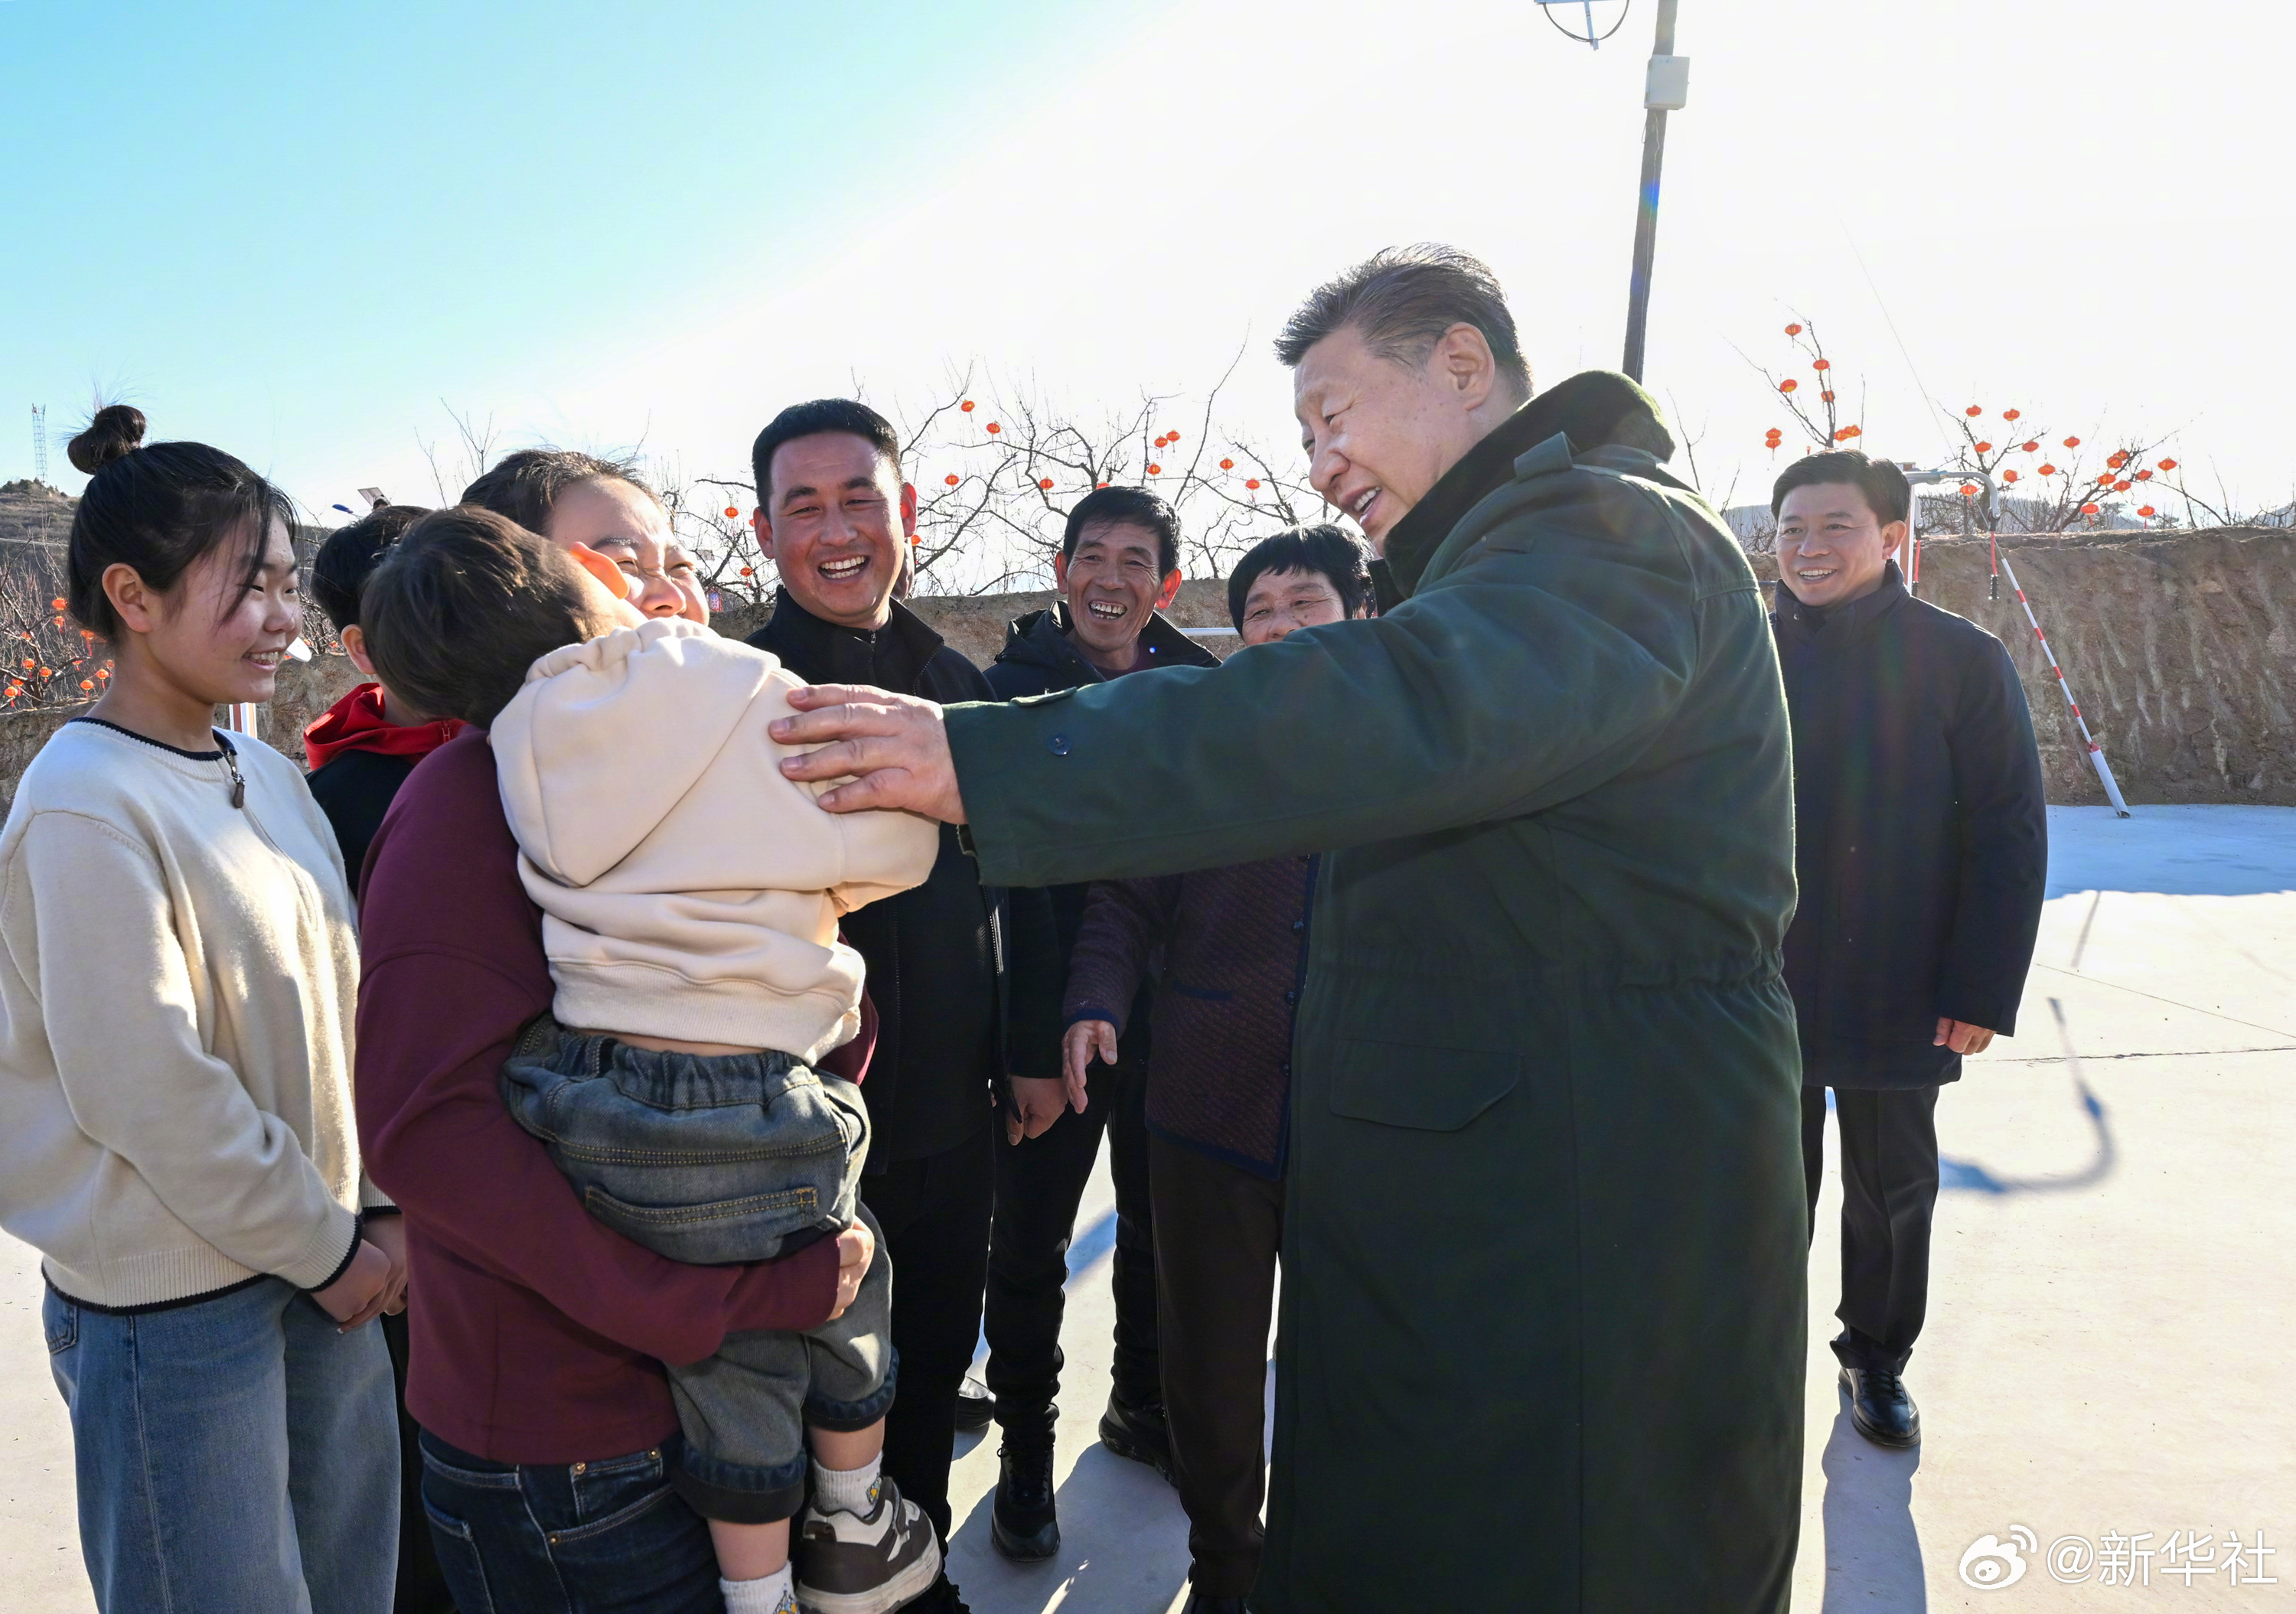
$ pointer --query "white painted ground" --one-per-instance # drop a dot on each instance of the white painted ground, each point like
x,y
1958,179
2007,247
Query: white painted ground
x,y
2115,1269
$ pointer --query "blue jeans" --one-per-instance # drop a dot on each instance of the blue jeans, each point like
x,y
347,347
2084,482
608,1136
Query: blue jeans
x,y
233,1454
736,1157
603,1537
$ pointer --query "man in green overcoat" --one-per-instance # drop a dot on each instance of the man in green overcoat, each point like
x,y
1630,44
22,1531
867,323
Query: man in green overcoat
x,y
1542,1334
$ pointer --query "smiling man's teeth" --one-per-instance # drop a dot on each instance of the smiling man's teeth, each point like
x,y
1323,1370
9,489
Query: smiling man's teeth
x,y
845,568
1363,501
1105,609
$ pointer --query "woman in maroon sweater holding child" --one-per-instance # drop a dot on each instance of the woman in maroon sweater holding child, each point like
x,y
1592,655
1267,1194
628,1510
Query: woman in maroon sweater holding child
x,y
538,1343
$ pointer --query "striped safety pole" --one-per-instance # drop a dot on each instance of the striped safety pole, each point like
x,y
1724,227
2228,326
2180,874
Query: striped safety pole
x,y
2095,751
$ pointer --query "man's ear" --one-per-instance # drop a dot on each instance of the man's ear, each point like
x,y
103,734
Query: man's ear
x,y
1464,364
1061,572
765,531
1893,538
354,638
908,510
1172,589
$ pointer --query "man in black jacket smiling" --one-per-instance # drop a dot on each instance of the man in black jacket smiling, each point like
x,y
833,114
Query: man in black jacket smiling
x,y
955,1019
1118,566
1922,854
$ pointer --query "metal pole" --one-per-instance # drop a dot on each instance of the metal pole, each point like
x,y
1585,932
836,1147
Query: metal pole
x,y
1646,213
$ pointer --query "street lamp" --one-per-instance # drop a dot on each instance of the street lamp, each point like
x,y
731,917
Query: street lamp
x,y
1666,88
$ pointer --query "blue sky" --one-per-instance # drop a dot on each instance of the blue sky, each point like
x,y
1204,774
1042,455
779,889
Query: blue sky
x,y
304,232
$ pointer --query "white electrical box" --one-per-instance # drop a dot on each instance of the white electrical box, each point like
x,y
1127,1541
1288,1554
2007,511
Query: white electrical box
x,y
1667,87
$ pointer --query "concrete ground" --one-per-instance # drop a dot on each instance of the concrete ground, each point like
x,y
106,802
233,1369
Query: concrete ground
x,y
2115,1254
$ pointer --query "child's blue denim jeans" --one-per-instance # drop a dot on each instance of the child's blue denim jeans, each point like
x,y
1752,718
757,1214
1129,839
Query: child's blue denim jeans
x,y
743,1156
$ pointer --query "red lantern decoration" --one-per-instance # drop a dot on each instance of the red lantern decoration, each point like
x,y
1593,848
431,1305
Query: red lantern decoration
x,y
2143,476
1823,364
2047,470
1228,464
1251,481
2088,510
1793,329
2028,447
2072,442
2008,476
1972,412
2147,512
1825,398
2123,486
1985,448
1046,483
1788,385
746,571
966,406
2011,414
730,513
951,479
2168,465
1969,490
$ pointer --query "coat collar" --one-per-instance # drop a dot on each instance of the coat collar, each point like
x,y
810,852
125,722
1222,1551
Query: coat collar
x,y
792,625
1041,639
1844,622
1593,407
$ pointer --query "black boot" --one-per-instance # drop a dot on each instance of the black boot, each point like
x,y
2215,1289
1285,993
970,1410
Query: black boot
x,y
1879,1405
1198,1603
1136,1430
1023,1521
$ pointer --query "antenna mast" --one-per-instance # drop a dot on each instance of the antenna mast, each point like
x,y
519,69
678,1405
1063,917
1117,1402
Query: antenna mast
x,y
40,442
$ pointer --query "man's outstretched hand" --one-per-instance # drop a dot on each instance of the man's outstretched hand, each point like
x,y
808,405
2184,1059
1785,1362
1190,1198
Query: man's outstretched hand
x,y
893,748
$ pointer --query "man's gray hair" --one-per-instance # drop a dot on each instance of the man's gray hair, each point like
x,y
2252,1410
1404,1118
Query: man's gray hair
x,y
1401,300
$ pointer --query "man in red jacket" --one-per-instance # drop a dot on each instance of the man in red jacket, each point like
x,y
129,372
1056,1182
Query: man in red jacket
x,y
539,1340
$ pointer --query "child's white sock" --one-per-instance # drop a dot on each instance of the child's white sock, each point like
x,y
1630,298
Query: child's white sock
x,y
848,1491
775,1594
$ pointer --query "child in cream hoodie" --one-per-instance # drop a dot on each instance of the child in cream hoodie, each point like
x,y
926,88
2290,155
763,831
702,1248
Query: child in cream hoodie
x,y
690,896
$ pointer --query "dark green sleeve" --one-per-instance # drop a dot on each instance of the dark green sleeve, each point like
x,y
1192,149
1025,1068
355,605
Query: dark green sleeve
x,y
1541,668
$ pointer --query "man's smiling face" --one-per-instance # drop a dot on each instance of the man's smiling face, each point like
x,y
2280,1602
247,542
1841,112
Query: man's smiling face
x,y
1832,545
1379,434
833,520
1113,584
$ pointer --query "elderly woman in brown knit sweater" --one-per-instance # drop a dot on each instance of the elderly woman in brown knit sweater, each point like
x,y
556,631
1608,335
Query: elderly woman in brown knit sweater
x,y
1235,944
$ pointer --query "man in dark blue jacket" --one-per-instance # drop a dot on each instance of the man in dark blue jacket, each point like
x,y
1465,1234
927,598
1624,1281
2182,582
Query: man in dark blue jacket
x,y
1922,853
1118,566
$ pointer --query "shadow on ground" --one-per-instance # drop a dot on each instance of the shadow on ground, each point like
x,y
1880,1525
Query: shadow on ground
x,y
1873,1550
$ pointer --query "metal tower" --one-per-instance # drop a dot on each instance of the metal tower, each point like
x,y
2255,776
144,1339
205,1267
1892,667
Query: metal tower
x,y
40,442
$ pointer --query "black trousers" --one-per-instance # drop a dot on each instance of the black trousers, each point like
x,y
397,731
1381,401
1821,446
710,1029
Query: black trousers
x,y
1889,1196
1218,1230
934,1214
1040,1181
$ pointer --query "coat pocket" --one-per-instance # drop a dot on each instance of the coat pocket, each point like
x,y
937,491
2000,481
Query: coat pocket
x,y
1411,1084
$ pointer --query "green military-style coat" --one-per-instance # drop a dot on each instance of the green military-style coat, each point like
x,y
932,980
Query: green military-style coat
x,y
1541,1344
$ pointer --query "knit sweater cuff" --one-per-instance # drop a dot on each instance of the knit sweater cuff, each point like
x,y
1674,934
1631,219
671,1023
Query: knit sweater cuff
x,y
328,1255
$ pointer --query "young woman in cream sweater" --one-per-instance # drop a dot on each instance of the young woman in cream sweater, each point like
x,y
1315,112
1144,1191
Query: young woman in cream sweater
x,y
177,981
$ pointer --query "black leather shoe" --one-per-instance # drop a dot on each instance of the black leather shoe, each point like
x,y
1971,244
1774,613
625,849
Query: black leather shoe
x,y
1023,1521
1198,1603
1879,1405
1140,1433
976,1408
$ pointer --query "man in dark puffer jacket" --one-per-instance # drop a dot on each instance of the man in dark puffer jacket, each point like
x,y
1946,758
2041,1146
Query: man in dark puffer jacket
x,y
1118,566
1234,945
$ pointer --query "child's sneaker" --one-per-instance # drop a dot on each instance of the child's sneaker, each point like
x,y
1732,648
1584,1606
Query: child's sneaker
x,y
872,1564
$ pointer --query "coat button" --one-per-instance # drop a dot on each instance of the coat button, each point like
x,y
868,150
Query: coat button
x,y
1285,1067
1291,996
1058,745
1299,925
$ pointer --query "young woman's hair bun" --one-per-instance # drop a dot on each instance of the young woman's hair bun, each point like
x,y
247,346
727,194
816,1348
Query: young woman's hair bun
x,y
116,432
